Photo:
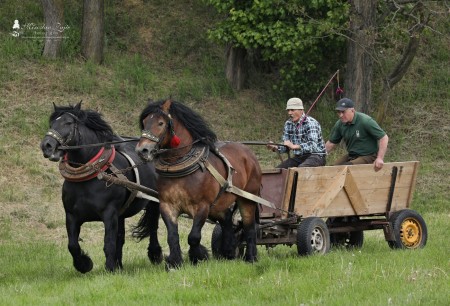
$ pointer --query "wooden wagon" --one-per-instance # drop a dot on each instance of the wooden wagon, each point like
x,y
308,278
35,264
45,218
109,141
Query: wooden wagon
x,y
334,205
315,208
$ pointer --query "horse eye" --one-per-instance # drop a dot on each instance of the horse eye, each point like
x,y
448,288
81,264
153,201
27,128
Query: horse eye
x,y
161,123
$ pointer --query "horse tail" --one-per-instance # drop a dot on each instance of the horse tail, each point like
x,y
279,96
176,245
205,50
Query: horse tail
x,y
148,223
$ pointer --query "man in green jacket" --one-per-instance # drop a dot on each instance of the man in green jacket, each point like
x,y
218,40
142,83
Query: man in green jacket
x,y
365,141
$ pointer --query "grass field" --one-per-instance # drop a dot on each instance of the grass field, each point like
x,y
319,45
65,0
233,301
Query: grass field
x,y
40,273
163,53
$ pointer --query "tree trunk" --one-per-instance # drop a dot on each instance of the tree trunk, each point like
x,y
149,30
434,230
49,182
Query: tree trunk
x,y
236,69
93,30
396,75
359,71
403,65
54,27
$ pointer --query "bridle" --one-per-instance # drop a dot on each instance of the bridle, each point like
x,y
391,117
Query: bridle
x,y
57,136
147,134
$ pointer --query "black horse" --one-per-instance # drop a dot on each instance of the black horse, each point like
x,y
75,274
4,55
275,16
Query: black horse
x,y
86,198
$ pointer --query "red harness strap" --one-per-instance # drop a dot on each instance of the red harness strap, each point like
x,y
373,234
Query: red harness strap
x,y
100,162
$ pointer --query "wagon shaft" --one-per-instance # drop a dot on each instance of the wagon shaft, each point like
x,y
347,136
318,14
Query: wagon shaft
x,y
144,192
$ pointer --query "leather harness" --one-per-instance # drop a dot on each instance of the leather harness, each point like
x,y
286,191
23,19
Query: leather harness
x,y
102,161
196,159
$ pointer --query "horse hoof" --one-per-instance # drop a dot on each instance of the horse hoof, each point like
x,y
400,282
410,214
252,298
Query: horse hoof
x,y
156,256
172,265
198,254
83,263
251,259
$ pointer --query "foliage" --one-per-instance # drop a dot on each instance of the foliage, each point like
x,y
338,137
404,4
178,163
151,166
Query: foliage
x,y
299,37
398,25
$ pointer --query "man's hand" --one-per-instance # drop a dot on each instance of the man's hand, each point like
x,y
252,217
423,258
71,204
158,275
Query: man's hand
x,y
378,164
290,145
272,147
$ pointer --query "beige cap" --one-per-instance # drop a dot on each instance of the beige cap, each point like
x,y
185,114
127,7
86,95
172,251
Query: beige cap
x,y
294,103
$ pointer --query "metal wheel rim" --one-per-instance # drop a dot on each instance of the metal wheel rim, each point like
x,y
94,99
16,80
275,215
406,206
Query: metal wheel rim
x,y
411,232
317,241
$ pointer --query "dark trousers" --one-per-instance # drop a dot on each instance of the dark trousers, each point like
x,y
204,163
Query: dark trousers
x,y
355,160
307,160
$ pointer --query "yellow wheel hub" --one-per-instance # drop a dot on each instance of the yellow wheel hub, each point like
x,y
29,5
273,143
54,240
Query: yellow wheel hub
x,y
411,233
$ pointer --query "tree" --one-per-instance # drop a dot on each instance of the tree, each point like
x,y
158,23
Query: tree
x,y
292,36
361,42
236,67
54,26
305,40
416,16
92,34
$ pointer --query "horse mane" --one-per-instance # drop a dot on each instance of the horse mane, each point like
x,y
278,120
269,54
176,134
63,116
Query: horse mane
x,y
191,120
90,119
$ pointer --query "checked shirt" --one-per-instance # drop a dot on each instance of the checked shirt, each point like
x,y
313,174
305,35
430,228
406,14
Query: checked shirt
x,y
308,135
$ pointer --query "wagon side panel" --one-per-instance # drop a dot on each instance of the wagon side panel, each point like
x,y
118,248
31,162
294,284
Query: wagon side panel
x,y
352,190
273,190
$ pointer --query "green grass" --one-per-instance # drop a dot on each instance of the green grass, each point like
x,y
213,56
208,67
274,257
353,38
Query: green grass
x,y
41,273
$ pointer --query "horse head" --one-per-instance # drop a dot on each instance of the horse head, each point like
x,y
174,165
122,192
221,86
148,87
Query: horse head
x,y
170,128
62,132
158,131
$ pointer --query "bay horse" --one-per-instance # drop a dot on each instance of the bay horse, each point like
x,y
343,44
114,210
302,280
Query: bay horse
x,y
87,199
194,171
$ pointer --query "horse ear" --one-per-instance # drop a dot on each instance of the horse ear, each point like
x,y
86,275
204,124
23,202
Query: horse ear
x,y
166,106
54,106
78,106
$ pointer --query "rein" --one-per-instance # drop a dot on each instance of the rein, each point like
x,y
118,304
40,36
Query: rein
x,y
93,145
160,151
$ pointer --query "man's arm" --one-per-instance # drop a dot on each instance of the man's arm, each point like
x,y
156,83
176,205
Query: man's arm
x,y
382,148
329,146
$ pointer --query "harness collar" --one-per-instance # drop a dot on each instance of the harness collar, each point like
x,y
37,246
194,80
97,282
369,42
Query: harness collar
x,y
188,164
100,162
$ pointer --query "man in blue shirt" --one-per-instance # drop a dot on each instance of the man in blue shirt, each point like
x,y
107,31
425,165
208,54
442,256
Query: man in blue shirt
x,y
303,137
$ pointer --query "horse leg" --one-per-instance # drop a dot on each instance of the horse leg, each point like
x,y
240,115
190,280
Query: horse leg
x,y
110,220
228,241
248,210
120,242
154,250
81,261
197,252
175,259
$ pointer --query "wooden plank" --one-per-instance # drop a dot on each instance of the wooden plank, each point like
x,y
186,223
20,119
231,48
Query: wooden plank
x,y
356,199
287,191
375,202
273,190
329,194
321,192
413,184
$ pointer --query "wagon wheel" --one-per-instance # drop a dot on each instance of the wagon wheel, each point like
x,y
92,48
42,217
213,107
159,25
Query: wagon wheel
x,y
410,230
347,239
216,242
312,237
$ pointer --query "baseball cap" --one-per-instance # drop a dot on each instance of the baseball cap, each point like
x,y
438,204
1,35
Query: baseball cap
x,y
294,103
344,103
